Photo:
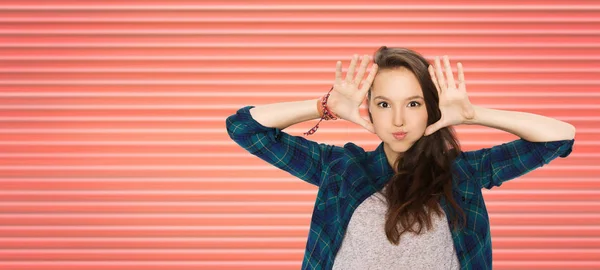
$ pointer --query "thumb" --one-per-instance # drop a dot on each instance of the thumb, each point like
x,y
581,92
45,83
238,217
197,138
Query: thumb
x,y
366,123
433,128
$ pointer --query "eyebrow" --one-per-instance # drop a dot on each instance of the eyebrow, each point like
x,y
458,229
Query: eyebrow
x,y
408,98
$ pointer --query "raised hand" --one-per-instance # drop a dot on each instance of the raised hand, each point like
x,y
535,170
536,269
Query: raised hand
x,y
346,97
454,101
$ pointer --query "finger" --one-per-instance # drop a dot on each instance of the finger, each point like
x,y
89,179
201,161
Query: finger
x,y
439,74
369,80
434,79
461,77
350,73
449,75
338,72
361,70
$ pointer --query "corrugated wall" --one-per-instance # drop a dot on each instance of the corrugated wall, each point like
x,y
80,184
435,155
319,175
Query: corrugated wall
x,y
114,153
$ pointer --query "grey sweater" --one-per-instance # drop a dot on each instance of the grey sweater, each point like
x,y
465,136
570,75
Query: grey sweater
x,y
365,245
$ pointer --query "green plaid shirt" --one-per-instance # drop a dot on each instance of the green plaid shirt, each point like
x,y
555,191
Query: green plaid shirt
x,y
348,175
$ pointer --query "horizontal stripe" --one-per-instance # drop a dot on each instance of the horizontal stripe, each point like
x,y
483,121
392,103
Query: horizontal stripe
x,y
135,155
79,251
270,203
258,192
165,192
568,58
154,263
178,227
173,215
211,167
267,70
209,154
273,94
566,264
156,19
568,228
269,82
184,239
149,179
259,7
163,203
311,32
112,118
201,118
21,216
213,143
236,179
154,250
244,251
233,106
298,45
259,239
218,131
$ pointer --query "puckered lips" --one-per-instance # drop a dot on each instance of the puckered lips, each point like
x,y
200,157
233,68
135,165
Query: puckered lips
x,y
399,135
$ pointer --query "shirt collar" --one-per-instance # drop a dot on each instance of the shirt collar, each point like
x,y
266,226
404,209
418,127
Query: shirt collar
x,y
378,163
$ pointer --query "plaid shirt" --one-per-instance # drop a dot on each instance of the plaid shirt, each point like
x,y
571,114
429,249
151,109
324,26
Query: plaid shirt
x,y
348,175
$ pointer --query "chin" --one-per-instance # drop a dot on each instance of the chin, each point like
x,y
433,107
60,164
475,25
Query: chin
x,y
399,146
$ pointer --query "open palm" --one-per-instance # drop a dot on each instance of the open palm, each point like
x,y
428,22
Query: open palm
x,y
349,93
454,101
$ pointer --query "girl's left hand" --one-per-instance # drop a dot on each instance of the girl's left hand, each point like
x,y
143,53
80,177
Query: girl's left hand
x,y
454,102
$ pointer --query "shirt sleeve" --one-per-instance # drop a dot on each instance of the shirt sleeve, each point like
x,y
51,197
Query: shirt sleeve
x,y
296,155
491,167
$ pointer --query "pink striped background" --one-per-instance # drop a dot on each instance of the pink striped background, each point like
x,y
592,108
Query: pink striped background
x,y
114,153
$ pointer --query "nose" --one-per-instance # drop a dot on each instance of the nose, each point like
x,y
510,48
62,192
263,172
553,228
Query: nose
x,y
398,117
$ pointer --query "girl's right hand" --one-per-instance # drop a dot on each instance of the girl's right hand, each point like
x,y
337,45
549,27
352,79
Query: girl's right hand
x,y
345,98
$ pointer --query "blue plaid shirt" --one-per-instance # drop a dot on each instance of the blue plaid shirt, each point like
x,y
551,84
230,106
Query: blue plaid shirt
x,y
347,175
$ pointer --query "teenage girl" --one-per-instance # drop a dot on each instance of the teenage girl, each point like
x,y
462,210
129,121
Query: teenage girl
x,y
415,202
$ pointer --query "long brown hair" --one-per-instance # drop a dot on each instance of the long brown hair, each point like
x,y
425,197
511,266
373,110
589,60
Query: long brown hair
x,y
424,171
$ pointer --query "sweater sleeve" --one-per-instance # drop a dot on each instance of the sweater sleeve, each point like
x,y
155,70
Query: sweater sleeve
x,y
296,155
493,166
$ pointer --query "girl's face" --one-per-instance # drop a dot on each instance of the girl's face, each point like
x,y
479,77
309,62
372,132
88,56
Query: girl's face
x,y
397,105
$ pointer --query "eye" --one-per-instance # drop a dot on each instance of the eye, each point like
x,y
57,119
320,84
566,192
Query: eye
x,y
414,102
381,103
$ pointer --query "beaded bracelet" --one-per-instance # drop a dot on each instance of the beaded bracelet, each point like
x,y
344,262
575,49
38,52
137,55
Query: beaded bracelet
x,y
324,111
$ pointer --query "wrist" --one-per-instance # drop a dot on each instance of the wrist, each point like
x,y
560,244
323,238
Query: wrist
x,y
323,112
477,111
319,108
327,114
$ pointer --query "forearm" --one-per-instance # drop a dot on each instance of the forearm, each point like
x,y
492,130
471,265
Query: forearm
x,y
528,126
284,114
